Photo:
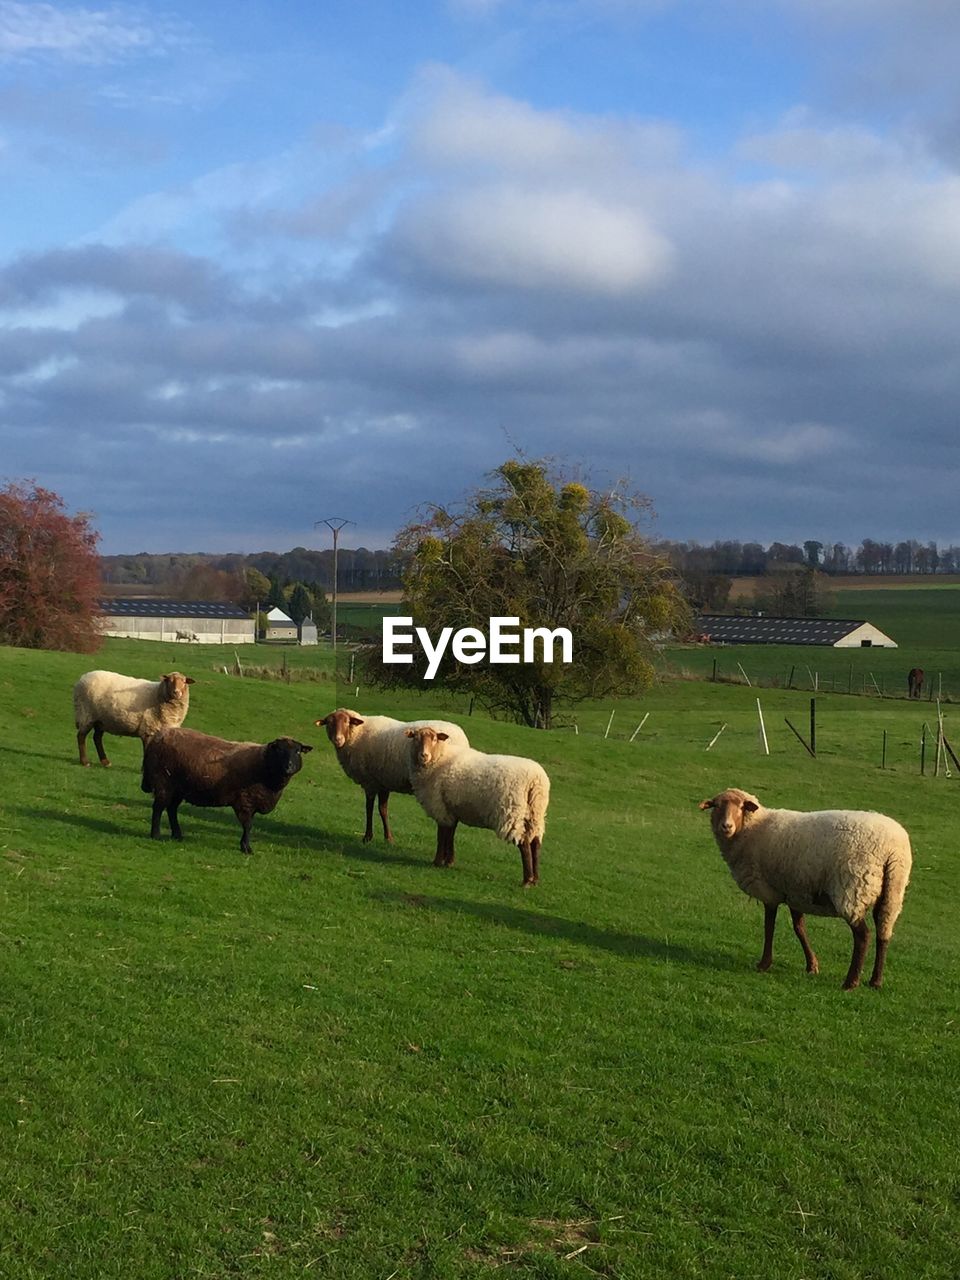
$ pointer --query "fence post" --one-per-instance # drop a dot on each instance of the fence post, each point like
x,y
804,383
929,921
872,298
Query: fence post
x,y
639,726
610,722
763,731
813,726
883,757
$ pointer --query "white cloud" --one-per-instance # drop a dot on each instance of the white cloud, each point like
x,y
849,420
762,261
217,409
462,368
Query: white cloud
x,y
534,238
801,142
457,123
89,36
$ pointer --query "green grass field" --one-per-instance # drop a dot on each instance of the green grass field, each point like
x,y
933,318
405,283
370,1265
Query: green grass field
x,y
924,621
331,1059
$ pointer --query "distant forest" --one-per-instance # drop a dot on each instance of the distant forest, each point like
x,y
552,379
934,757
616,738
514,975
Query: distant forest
x,y
357,570
364,570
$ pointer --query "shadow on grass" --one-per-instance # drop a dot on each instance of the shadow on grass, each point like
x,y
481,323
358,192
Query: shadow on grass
x,y
61,757
207,821
71,820
577,931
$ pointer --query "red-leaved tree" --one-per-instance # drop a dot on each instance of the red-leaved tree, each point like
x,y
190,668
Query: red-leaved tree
x,y
49,572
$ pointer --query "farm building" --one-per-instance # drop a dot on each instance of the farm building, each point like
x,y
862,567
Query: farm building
x,y
200,621
837,633
279,626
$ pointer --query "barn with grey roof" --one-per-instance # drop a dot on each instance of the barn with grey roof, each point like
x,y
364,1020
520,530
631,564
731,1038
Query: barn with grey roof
x,y
199,621
836,633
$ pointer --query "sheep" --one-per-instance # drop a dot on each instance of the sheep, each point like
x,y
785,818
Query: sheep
x,y
107,702
182,764
835,862
373,752
505,794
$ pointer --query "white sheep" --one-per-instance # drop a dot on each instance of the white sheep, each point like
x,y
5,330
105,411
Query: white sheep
x,y
374,753
107,702
835,862
505,794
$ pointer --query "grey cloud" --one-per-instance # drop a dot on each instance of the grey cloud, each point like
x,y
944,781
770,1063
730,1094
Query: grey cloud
x,y
760,387
192,282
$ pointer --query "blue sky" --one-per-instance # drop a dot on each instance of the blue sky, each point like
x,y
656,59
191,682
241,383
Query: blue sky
x,y
264,263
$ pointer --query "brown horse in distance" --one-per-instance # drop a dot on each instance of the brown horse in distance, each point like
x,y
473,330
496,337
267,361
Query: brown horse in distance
x,y
915,682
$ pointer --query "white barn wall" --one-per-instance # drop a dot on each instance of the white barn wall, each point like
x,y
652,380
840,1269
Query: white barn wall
x,y
867,631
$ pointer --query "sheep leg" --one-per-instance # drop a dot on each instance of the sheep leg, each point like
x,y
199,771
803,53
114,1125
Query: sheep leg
x,y
245,818
368,832
382,798
98,743
158,807
861,940
535,855
880,955
174,821
769,920
444,856
800,929
82,744
526,857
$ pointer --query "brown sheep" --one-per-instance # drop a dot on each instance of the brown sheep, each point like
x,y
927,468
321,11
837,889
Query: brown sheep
x,y
182,764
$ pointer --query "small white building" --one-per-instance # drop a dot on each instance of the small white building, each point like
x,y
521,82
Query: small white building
x,y
197,621
279,625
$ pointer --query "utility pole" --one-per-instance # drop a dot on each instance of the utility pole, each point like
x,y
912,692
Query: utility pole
x,y
334,524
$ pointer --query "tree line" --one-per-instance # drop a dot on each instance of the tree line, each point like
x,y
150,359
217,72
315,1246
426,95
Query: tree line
x,y
753,559
358,569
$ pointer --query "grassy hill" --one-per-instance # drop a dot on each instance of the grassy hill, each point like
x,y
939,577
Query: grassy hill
x,y
333,1059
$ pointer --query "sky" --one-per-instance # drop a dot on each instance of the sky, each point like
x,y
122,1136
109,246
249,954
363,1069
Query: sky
x,y
266,262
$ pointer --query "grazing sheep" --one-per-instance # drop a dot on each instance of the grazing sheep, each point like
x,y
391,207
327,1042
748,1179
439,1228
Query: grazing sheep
x,y
182,764
505,794
836,862
915,679
107,702
374,753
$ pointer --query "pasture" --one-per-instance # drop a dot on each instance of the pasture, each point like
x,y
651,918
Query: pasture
x,y
330,1059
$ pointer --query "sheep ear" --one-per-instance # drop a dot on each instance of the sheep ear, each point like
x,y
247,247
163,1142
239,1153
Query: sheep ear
x,y
304,747
189,680
322,722
355,720
706,804
750,806
442,737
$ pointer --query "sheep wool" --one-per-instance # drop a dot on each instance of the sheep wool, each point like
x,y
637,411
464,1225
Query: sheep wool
x,y
108,702
508,795
833,862
373,752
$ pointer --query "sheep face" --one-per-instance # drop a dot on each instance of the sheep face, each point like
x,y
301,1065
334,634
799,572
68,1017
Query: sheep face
x,y
175,686
339,726
729,811
425,745
283,757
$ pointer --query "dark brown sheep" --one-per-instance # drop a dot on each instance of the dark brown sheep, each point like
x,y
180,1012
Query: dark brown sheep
x,y
915,682
182,764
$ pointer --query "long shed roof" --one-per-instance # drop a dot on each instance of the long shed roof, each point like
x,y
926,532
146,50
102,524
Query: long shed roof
x,y
153,608
766,630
